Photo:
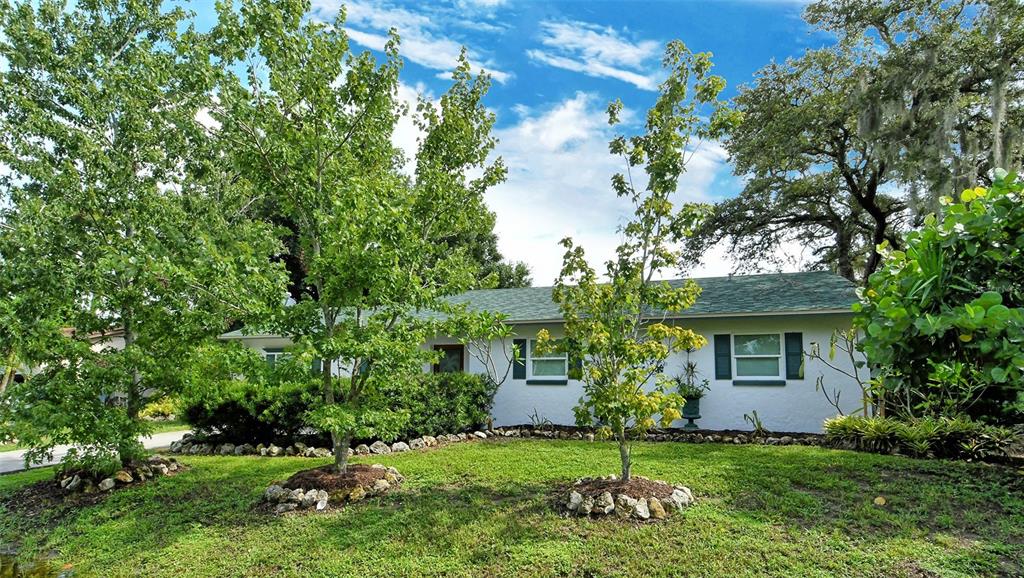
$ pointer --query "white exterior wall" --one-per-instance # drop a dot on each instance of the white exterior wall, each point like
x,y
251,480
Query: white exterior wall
x,y
795,407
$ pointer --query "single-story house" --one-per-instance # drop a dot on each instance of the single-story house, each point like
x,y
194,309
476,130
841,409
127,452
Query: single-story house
x,y
758,327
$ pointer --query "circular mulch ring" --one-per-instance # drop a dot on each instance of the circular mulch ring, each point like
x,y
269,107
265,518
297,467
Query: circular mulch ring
x,y
639,498
326,478
319,487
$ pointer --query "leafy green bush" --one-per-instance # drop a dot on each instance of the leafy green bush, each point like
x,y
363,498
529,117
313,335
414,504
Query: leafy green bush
x,y
941,437
161,409
443,402
944,318
235,395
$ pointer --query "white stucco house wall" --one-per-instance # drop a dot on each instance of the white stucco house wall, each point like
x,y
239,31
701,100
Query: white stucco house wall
x,y
758,329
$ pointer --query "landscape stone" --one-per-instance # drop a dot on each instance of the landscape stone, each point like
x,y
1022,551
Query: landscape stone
x,y
74,484
310,498
357,493
227,449
656,509
641,510
285,508
575,499
480,435
274,451
430,441
590,437
107,484
586,506
417,444
399,447
362,449
123,477
604,504
275,493
381,485
379,447
244,450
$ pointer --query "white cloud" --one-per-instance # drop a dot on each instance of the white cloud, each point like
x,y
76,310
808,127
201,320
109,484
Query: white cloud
x,y
597,51
424,35
559,185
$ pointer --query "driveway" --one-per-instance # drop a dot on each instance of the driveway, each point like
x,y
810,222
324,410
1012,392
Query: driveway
x,y
14,461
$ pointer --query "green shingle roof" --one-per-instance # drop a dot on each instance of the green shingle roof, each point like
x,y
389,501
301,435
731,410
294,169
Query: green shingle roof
x,y
816,291
721,296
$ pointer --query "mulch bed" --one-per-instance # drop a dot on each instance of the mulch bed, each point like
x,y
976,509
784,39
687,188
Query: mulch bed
x,y
46,496
635,487
325,478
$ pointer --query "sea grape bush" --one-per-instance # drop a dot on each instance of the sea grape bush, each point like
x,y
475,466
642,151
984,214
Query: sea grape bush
x,y
943,319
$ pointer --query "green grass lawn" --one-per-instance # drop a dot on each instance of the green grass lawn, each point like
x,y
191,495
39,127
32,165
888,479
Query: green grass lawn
x,y
483,509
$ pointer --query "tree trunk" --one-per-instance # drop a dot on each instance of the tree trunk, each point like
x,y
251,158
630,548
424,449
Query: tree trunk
x,y
129,447
8,377
624,450
341,443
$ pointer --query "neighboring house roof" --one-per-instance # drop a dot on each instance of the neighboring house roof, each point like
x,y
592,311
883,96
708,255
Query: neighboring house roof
x,y
736,295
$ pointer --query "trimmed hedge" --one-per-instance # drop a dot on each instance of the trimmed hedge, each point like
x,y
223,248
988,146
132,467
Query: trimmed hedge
x,y
958,438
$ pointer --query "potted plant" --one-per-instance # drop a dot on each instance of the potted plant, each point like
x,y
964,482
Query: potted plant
x,y
692,388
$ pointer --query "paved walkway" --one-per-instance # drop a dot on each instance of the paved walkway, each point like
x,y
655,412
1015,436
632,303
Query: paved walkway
x,y
14,461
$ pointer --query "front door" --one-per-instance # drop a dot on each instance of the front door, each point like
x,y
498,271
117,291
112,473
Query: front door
x,y
452,359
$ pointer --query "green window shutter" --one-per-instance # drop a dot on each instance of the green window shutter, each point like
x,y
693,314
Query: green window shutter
x,y
519,365
317,366
723,357
794,356
575,367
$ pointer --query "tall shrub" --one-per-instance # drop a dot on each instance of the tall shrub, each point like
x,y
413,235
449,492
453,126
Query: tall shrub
x,y
944,318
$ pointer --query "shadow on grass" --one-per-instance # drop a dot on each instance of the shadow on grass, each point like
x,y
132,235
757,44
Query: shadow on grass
x,y
482,506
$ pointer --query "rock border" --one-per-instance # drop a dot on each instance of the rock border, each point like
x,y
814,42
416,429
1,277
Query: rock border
x,y
153,466
190,445
622,505
284,500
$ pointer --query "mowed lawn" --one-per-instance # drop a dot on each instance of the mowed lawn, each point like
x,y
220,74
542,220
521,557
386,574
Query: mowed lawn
x,y
484,509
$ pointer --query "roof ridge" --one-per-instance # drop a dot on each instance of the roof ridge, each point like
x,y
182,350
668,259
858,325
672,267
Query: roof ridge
x,y
697,279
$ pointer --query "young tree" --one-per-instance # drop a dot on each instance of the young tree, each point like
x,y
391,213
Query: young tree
x,y
310,126
116,219
619,326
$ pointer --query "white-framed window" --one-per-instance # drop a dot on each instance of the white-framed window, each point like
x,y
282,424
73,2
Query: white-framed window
x,y
757,355
551,365
273,355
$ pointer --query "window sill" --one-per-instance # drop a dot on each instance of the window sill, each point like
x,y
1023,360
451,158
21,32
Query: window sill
x,y
770,382
547,382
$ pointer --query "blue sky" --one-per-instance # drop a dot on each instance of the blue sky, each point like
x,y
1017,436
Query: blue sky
x,y
556,65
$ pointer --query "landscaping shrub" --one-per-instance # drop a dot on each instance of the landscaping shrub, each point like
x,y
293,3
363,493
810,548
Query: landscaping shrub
x,y
940,437
237,397
165,408
234,394
252,412
943,319
443,402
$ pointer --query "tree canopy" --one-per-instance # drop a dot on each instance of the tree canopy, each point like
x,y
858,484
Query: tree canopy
x,y
118,222
851,145
309,125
